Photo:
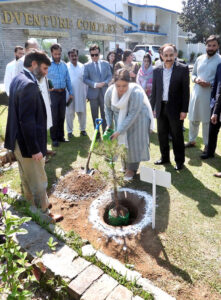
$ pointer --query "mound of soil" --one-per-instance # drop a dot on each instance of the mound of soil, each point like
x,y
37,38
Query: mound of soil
x,y
77,186
72,198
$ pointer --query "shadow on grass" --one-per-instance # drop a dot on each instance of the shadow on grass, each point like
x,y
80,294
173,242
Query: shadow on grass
x,y
152,245
195,190
66,155
150,240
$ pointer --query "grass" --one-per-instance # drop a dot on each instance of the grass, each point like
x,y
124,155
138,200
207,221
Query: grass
x,y
188,217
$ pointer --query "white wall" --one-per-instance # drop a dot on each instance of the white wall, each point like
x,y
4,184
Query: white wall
x,y
111,4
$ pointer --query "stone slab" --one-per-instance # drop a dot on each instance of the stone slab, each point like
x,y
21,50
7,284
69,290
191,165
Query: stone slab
x,y
120,293
83,281
137,298
117,266
64,266
36,239
155,291
88,250
100,289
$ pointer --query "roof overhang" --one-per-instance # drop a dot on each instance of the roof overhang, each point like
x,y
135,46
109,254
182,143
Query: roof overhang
x,y
98,8
152,6
140,32
16,1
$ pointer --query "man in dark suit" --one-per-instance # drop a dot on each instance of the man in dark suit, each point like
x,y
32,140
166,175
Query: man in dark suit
x,y
214,126
97,75
215,119
170,98
26,131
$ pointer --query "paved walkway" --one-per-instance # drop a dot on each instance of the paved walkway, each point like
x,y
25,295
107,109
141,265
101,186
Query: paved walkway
x,y
85,280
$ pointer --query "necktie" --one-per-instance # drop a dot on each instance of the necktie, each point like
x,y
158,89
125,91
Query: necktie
x,y
98,70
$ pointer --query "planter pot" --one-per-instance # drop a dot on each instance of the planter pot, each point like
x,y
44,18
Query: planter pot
x,y
118,221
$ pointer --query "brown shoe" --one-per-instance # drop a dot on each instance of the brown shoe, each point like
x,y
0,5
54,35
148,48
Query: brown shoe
x,y
190,144
51,152
217,174
56,218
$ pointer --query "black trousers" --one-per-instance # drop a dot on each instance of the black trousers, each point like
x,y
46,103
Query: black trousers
x,y
58,107
95,105
213,135
166,125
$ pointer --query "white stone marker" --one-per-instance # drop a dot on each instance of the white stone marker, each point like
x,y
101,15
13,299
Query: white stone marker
x,y
155,177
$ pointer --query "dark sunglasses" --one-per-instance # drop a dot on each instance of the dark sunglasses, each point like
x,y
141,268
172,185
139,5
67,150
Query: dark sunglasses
x,y
92,55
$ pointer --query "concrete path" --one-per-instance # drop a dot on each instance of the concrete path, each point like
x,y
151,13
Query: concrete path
x,y
85,280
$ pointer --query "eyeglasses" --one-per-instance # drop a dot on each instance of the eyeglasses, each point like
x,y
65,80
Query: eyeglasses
x,y
96,54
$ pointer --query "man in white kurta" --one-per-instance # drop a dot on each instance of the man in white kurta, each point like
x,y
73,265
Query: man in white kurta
x,y
203,76
78,105
10,68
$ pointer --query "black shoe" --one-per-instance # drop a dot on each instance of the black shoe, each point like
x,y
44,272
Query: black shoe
x,y
70,135
98,137
63,140
179,166
161,162
55,144
84,133
205,149
206,155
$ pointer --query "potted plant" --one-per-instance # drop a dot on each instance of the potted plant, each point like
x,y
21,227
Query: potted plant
x,y
156,27
118,215
142,25
149,27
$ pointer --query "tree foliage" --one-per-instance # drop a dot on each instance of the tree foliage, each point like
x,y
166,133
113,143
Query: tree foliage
x,y
202,18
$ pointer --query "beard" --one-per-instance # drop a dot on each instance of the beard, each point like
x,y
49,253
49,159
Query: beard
x,y
38,74
211,52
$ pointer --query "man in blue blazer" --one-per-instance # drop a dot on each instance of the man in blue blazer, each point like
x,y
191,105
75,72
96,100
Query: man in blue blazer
x,y
26,131
97,75
214,127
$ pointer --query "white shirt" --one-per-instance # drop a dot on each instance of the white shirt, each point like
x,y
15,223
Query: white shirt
x,y
166,82
9,75
99,66
78,87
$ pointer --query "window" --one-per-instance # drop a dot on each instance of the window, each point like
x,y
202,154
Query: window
x,y
130,13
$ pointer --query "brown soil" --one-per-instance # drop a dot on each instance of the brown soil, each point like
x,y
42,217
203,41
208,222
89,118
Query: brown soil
x,y
145,251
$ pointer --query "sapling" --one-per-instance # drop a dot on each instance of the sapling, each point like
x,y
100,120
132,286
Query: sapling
x,y
110,150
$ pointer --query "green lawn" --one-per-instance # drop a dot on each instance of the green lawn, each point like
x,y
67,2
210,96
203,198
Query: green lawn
x,y
188,220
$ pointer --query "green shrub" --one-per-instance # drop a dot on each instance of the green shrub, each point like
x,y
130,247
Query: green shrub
x,y
83,59
198,54
3,98
180,53
192,56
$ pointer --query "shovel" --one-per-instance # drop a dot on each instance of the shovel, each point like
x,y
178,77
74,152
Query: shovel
x,y
98,122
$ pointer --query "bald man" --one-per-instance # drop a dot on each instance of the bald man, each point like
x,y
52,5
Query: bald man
x,y
170,100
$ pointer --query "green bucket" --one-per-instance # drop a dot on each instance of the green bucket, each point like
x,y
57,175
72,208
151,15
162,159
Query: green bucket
x,y
118,221
107,134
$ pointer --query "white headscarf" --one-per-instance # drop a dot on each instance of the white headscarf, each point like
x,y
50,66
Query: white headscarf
x,y
122,105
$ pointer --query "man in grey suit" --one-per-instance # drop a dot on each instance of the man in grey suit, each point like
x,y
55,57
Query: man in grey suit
x,y
97,75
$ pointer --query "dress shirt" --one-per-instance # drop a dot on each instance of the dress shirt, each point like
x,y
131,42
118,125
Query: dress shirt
x,y
58,74
9,75
99,66
166,82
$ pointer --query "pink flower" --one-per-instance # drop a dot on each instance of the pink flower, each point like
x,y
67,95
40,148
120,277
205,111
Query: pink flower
x,y
5,190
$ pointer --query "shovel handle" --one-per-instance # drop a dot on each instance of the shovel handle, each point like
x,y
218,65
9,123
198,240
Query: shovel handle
x,y
98,122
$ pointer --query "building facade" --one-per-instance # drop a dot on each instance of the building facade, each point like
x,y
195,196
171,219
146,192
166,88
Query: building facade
x,y
79,23
71,23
